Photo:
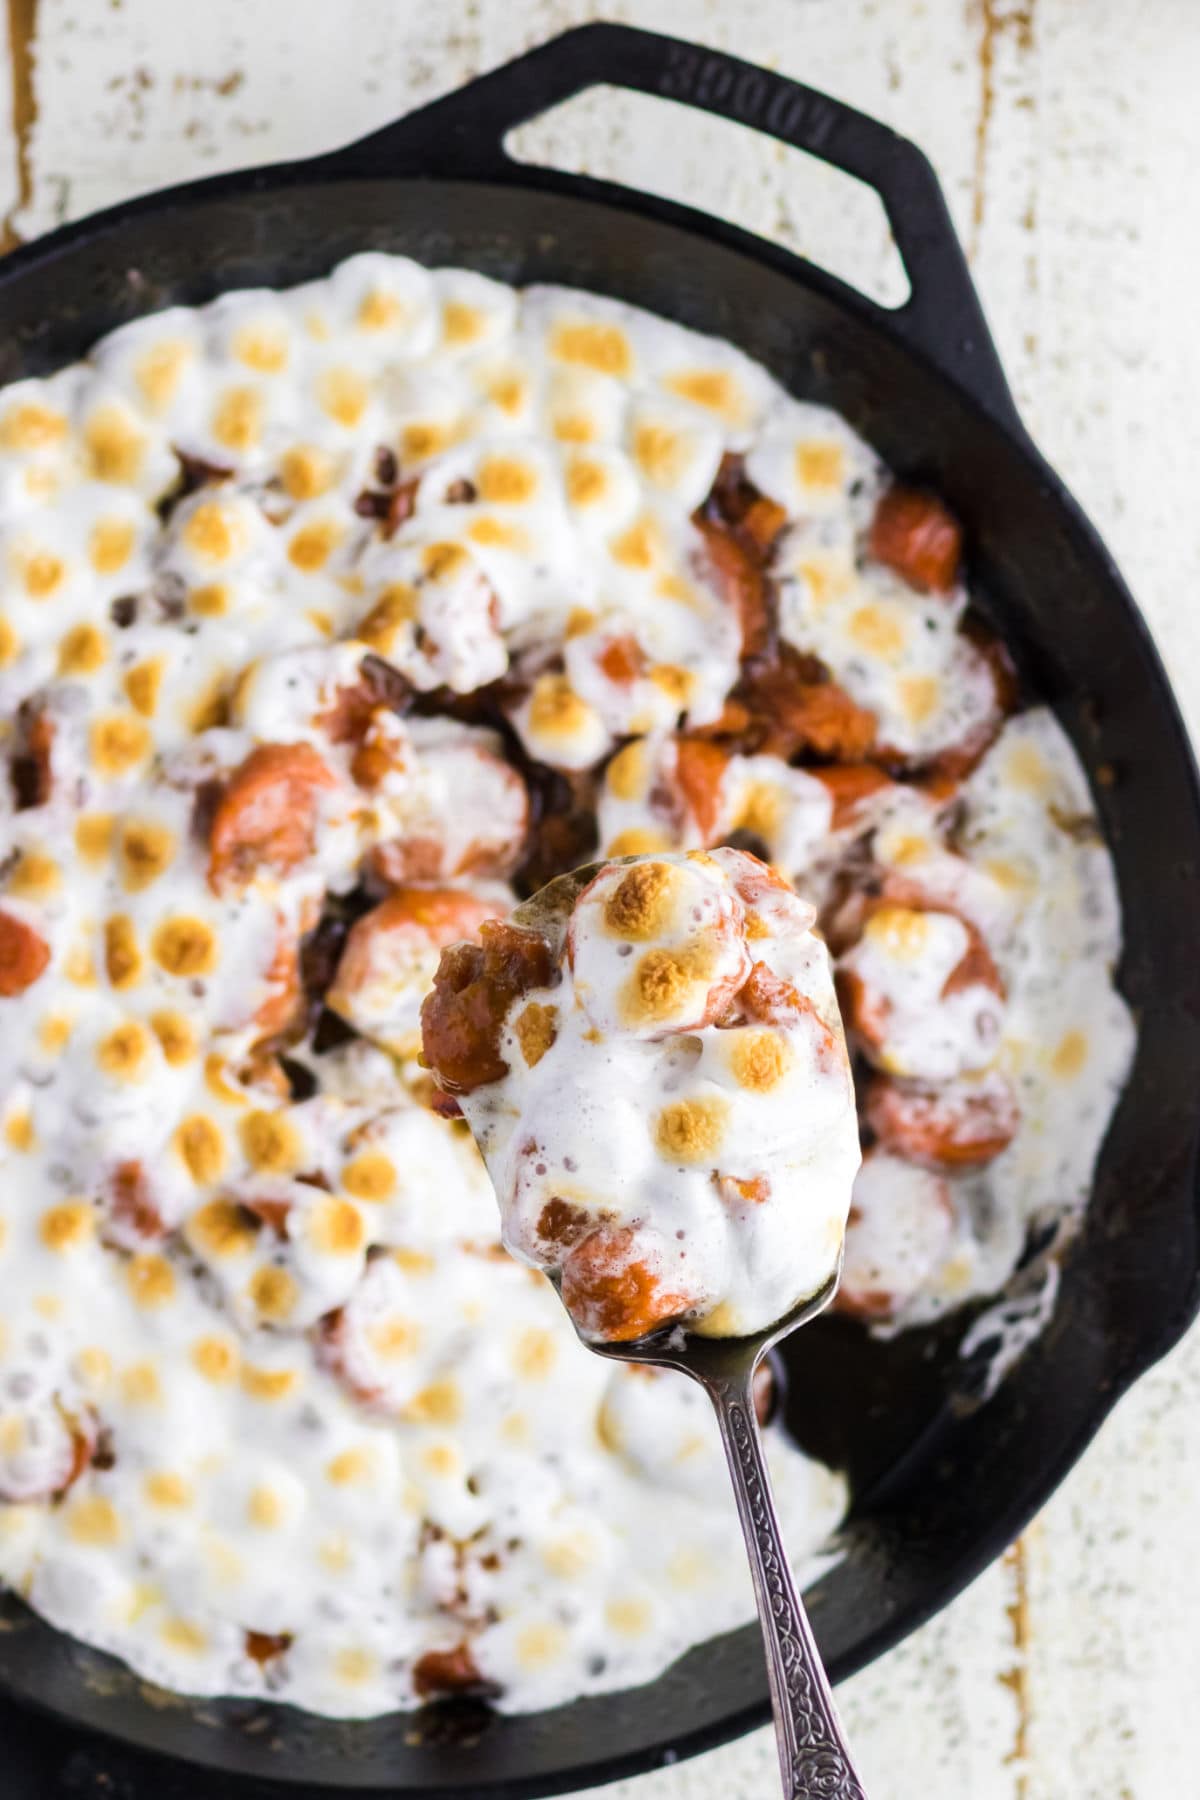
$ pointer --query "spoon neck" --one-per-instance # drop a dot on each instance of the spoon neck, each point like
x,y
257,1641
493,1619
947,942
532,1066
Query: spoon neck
x,y
813,1754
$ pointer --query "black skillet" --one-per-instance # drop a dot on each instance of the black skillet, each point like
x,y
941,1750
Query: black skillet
x,y
941,1482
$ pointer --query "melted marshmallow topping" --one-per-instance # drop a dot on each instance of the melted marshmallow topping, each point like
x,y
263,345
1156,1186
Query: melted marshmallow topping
x,y
332,622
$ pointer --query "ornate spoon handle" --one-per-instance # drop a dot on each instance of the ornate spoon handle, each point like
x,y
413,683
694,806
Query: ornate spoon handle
x,y
813,1755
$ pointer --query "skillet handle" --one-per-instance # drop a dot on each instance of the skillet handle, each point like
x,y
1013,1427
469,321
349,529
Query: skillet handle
x,y
463,135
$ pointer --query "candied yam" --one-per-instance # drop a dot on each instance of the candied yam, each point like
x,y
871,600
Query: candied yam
x,y
768,999
789,704
861,1012
916,534
134,1219
824,719
952,1126
264,1647
439,916
410,859
740,528
409,920
43,1452
271,1211
267,814
881,1021
700,773
735,501
762,523
736,1191
560,1225
347,717
283,1007
612,1289
621,660
485,838
379,687
737,574
23,955
440,1672
976,968
473,992
734,722
849,785
951,764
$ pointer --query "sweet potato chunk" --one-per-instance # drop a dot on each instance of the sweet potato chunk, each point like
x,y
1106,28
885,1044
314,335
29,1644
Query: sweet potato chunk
x,y
915,534
770,1000
735,501
411,916
613,1291
739,577
849,785
23,955
45,1449
134,1219
976,968
952,1126
473,990
266,817
391,955
263,1647
699,770
448,1672
793,705
283,1005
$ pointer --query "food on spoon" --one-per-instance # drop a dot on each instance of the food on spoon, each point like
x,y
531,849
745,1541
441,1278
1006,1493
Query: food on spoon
x,y
663,1097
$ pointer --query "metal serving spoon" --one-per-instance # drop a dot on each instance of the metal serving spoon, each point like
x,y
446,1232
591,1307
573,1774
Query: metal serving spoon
x,y
814,1757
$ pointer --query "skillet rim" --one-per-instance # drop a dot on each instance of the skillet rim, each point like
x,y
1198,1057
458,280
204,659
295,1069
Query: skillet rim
x,y
1151,1345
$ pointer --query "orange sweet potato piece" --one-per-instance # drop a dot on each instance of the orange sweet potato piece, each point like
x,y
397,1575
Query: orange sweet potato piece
x,y
947,1127
699,770
23,955
916,534
447,1672
266,816
473,991
739,577
848,785
613,1292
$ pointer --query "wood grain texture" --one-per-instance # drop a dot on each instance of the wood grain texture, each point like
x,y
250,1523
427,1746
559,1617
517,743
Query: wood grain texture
x,y
1067,137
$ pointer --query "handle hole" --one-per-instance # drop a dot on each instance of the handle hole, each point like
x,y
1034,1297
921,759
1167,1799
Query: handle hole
x,y
676,152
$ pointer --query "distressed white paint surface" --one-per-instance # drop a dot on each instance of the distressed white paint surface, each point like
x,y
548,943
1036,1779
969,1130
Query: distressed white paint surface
x,y
1067,135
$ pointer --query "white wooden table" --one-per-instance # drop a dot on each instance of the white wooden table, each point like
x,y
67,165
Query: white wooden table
x,y
1067,135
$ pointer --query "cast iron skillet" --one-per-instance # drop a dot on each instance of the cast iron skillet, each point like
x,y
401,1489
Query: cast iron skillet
x,y
941,1482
